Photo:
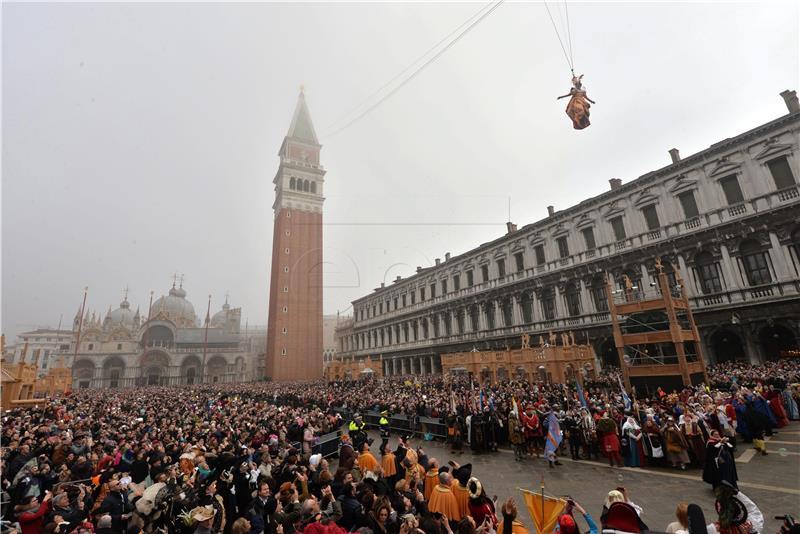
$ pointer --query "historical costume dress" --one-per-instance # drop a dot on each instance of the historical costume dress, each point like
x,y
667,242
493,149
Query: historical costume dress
x,y
634,453
676,445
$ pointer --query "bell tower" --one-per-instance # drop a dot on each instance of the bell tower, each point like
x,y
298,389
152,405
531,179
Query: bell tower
x,y
294,326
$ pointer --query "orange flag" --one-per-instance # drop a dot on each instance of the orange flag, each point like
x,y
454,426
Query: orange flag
x,y
543,512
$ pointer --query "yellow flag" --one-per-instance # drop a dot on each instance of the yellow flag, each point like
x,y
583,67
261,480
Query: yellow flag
x,y
545,514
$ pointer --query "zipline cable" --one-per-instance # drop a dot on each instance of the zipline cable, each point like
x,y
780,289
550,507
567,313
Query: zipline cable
x,y
419,69
408,68
569,35
555,28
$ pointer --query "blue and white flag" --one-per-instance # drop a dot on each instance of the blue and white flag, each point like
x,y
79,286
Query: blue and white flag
x,y
580,395
625,398
553,435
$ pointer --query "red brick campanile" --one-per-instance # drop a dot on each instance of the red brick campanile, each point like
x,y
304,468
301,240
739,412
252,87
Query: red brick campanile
x,y
294,327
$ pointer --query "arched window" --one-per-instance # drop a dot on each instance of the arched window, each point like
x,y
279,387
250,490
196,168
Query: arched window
x,y
795,249
755,263
527,307
313,187
292,182
573,298
305,186
473,318
488,309
508,313
599,296
548,301
708,275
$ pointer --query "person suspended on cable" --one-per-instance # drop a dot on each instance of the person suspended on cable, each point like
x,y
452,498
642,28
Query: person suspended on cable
x,y
578,105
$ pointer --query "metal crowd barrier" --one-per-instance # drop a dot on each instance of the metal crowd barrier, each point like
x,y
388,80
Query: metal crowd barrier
x,y
401,424
328,444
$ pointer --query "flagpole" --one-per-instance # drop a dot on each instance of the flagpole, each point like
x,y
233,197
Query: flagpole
x,y
205,340
144,335
80,325
542,487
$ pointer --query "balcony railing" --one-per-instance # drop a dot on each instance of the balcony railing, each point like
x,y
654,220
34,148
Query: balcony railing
x,y
653,235
694,222
788,193
619,245
738,209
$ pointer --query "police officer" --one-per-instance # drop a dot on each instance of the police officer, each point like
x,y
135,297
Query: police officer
x,y
383,424
357,430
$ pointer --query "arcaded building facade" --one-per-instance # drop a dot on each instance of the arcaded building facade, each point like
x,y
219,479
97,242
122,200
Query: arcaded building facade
x,y
174,346
728,217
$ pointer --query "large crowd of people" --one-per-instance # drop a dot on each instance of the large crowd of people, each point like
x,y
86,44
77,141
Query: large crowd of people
x,y
242,458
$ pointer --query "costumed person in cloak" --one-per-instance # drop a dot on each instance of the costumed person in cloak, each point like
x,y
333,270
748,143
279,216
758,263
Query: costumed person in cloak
x,y
389,466
443,501
532,430
366,460
347,455
461,474
431,478
676,444
481,507
737,514
578,105
719,462
634,455
478,433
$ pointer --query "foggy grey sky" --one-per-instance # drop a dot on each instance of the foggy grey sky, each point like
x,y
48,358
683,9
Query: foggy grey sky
x,y
141,139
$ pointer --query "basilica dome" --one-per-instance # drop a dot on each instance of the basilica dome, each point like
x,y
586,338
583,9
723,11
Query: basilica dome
x,y
220,318
122,315
176,307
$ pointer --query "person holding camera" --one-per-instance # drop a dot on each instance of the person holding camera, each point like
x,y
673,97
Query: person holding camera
x,y
567,523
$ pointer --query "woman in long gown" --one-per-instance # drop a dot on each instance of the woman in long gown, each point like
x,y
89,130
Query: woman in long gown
x,y
634,455
578,105
775,400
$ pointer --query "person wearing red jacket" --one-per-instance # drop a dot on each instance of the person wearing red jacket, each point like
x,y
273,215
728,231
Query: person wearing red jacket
x,y
532,430
31,514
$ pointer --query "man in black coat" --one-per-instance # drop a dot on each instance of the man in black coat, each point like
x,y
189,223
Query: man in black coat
x,y
261,511
117,505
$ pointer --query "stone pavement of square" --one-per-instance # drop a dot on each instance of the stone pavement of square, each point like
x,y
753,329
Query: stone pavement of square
x,y
772,481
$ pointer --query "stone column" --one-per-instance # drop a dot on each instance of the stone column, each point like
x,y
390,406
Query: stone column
x,y
498,314
688,278
645,277
516,313
432,364
482,316
584,295
780,260
558,301
729,269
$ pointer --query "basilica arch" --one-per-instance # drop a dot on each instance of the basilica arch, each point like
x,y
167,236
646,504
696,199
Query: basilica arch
x,y
154,368
191,369
216,369
113,372
83,373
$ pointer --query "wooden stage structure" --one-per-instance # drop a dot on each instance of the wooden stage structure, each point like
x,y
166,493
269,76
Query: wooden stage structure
x,y
548,362
655,333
